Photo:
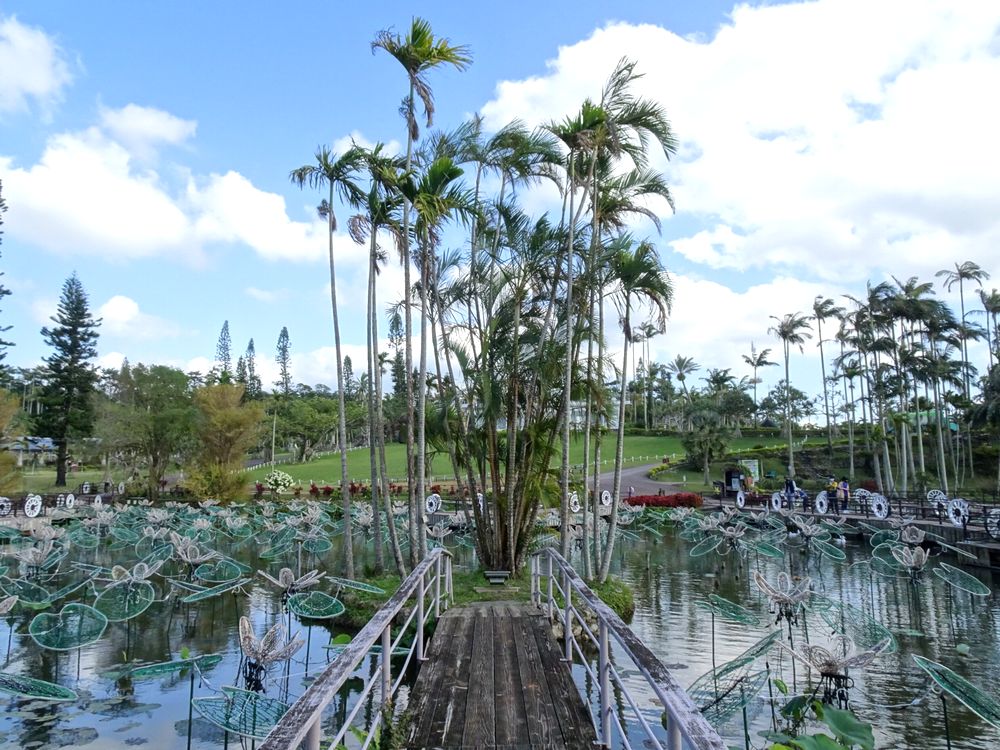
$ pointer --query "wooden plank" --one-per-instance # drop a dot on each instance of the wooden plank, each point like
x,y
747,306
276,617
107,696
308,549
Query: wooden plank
x,y
480,714
511,726
453,690
543,725
427,687
575,720
439,683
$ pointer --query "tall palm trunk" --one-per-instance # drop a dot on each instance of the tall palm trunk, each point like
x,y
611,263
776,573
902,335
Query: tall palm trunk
x,y
619,455
568,364
422,397
373,425
788,413
415,511
341,403
826,397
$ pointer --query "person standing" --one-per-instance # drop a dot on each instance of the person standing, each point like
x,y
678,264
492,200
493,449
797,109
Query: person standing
x,y
844,494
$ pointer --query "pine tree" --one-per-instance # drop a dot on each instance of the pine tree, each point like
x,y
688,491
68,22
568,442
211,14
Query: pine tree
x,y
283,357
241,372
70,375
349,381
4,291
223,354
253,384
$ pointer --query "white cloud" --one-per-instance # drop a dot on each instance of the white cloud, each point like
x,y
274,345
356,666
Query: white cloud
x,y
266,295
142,129
356,137
111,361
33,67
801,156
87,196
84,198
43,309
122,317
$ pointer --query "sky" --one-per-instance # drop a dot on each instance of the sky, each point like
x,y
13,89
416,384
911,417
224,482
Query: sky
x,y
147,146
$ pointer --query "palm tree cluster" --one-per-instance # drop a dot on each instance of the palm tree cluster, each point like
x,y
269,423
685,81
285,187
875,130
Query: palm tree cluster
x,y
506,310
895,368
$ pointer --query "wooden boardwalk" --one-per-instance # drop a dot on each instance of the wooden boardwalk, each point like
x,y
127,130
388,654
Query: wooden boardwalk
x,y
494,678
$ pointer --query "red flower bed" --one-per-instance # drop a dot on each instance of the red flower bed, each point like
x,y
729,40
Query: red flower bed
x,y
676,500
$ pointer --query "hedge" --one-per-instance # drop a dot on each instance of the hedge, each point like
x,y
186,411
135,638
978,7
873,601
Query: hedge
x,y
675,500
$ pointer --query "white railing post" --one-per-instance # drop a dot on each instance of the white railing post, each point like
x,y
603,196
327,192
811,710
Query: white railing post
x,y
604,667
568,618
437,588
674,739
420,619
534,580
451,587
386,666
313,735
551,600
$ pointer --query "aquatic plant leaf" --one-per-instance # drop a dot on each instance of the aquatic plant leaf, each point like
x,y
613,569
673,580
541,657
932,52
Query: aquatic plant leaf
x,y
730,610
961,580
883,536
124,535
719,704
981,704
241,712
315,605
706,545
29,594
75,625
347,583
29,687
123,601
862,629
222,588
766,548
204,663
276,552
829,551
218,572
317,546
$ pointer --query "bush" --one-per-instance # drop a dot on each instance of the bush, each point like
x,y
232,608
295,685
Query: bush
x,y
675,500
219,482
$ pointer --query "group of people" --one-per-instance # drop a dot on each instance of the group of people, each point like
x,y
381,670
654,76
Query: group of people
x,y
841,492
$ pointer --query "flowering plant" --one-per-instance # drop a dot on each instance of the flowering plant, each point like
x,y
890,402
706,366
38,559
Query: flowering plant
x,y
278,481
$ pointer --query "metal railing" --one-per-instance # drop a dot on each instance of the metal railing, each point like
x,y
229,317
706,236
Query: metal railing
x,y
302,724
686,728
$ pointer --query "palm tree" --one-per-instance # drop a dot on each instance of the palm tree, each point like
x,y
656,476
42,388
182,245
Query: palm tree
x,y
791,329
382,205
639,276
419,52
756,360
336,174
991,308
434,197
823,309
967,271
681,367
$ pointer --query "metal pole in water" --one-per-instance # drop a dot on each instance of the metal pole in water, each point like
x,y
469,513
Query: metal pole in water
x,y
190,707
947,730
604,670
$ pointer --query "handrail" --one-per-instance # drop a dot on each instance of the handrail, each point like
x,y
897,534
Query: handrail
x,y
688,729
302,723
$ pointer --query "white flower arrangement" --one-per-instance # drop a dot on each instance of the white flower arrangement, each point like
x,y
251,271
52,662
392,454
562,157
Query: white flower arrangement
x,y
278,481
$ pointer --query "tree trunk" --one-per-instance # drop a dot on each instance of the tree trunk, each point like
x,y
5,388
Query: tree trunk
x,y
619,455
373,422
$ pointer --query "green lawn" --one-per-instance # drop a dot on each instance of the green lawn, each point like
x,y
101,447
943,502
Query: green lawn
x,y
326,470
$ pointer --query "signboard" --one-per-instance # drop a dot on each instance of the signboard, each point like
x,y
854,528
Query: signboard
x,y
751,466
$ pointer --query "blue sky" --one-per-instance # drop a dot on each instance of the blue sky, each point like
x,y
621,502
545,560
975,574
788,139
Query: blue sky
x,y
147,147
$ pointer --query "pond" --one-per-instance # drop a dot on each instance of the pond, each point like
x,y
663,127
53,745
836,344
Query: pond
x,y
114,709
930,619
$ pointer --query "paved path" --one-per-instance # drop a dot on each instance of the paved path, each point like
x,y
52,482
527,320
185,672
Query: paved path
x,y
636,476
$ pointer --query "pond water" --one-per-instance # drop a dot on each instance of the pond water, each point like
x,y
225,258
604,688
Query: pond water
x,y
114,711
930,619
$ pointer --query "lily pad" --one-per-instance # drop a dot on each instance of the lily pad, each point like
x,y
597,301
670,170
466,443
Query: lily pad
x,y
219,572
317,546
125,600
706,545
222,588
75,625
204,663
961,580
962,690
241,712
315,605
29,687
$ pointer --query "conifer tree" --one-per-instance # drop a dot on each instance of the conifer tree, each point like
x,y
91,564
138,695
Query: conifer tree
x,y
283,357
4,291
253,384
70,375
224,355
